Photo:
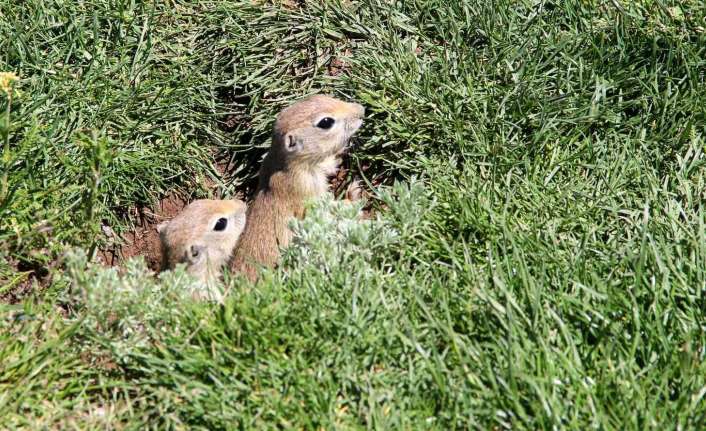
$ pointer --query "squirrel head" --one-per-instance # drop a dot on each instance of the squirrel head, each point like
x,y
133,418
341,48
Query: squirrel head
x,y
315,128
203,236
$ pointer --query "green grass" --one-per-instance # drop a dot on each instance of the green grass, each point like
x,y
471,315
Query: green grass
x,y
538,260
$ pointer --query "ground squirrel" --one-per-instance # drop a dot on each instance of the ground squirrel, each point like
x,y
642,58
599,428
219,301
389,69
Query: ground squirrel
x,y
203,236
308,138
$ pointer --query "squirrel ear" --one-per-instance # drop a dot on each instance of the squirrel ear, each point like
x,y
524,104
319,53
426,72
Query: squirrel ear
x,y
160,227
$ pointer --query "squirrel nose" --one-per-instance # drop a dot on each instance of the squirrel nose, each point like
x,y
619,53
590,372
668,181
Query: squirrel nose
x,y
196,250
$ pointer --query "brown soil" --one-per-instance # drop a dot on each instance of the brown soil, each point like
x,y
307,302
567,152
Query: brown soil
x,y
19,291
338,65
144,239
29,278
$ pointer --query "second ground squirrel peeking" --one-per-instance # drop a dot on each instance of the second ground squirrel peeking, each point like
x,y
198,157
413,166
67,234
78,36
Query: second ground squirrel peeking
x,y
307,139
203,237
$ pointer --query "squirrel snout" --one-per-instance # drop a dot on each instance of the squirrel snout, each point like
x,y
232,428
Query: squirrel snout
x,y
359,110
196,251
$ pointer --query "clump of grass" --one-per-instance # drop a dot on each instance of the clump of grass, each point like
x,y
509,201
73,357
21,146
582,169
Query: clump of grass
x,y
539,263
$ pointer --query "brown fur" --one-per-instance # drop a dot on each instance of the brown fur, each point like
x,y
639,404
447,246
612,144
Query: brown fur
x,y
295,170
190,238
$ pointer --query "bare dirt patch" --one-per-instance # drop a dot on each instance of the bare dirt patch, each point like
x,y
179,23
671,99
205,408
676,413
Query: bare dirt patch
x,y
339,65
26,278
144,239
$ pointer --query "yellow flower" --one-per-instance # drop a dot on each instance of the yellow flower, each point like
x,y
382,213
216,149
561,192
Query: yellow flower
x,y
6,80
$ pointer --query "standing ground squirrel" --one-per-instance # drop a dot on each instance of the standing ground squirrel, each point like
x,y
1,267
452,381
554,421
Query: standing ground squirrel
x,y
203,236
307,139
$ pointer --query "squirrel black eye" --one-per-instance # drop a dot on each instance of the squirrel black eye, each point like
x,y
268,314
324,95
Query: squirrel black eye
x,y
325,123
221,224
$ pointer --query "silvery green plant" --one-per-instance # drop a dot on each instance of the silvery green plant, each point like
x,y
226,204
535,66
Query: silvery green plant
x,y
132,307
128,306
334,236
